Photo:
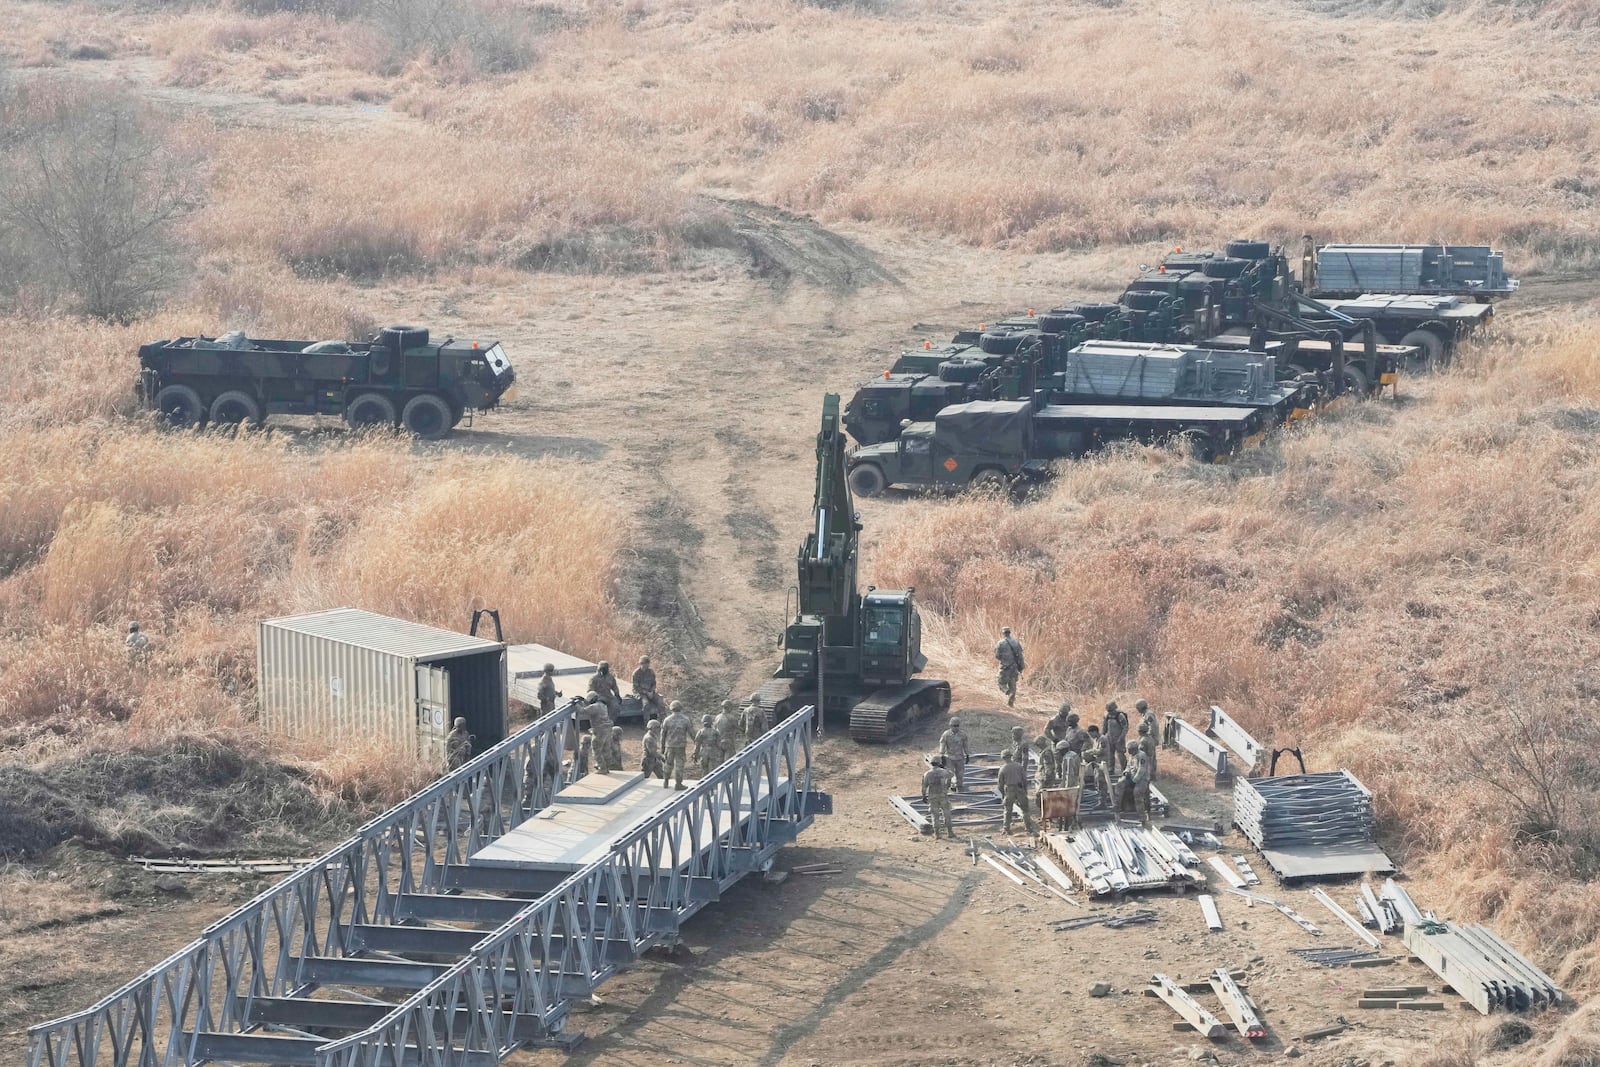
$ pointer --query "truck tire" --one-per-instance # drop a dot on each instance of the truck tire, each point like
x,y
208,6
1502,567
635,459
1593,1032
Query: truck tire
x,y
1224,267
427,416
400,338
962,370
1094,312
1059,321
867,480
234,407
180,407
1247,249
368,411
988,480
1433,352
1143,299
1001,342
1355,380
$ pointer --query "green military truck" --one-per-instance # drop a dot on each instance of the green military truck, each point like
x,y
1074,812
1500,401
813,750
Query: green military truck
x,y
402,378
994,443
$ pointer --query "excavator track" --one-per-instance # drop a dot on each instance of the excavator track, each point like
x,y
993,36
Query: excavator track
x,y
887,715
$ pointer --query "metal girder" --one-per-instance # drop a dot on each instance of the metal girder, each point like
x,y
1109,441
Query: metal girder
x,y
1186,1006
1345,917
458,907
1237,738
356,971
1202,748
416,940
1241,1011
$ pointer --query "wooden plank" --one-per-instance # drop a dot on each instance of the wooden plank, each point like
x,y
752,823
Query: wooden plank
x,y
1186,1006
1208,908
1240,1009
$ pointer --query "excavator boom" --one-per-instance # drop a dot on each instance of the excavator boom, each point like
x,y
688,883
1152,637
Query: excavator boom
x,y
827,561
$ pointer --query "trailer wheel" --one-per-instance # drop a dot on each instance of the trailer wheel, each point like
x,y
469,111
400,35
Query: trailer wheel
x,y
988,480
369,411
1432,346
1355,380
180,407
235,406
427,416
867,480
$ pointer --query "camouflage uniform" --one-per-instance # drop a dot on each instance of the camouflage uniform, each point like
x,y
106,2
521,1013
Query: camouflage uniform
x,y
1139,777
953,747
1049,775
614,759
458,746
1148,718
707,748
604,683
936,793
755,722
1009,654
675,736
644,685
651,765
728,729
547,690
1147,745
600,723
1056,729
580,763
138,646
1095,774
1013,784
1076,739
1114,728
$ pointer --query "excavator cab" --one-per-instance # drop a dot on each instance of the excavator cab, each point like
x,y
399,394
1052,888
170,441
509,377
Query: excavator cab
x,y
891,638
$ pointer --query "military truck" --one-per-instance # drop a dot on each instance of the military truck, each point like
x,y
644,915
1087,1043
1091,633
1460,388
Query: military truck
x,y
401,378
993,443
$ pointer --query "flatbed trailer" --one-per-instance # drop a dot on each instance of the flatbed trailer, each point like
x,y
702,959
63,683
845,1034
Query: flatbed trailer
x,y
1070,430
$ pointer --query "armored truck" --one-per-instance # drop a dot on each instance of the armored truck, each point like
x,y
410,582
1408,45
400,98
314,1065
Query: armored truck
x,y
997,442
401,378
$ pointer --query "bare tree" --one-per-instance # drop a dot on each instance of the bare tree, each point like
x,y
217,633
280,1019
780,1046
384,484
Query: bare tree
x,y
93,189
1534,765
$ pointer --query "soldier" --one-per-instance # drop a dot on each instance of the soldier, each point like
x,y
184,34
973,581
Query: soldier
x,y
1147,744
1095,773
138,644
1076,739
936,794
729,726
580,763
707,748
755,721
1148,718
1019,748
604,683
547,690
1114,728
644,685
1013,784
458,745
600,723
614,757
1138,776
1009,655
953,747
1056,728
652,750
1049,769
675,737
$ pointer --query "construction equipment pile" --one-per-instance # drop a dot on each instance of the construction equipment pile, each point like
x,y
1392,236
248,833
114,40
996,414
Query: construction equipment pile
x,y
1310,825
1119,859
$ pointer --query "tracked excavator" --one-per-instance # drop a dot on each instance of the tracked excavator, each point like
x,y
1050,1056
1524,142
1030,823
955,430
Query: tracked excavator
x,y
856,656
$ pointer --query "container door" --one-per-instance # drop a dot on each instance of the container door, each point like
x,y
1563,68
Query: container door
x,y
433,713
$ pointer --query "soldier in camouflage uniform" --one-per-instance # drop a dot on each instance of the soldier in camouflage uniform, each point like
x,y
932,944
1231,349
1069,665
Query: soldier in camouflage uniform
x,y
600,723
936,794
1148,744
707,748
547,690
458,745
953,747
1095,774
580,763
1148,718
604,683
614,756
1019,748
729,725
755,721
1056,729
651,765
1009,655
1049,774
675,737
644,686
1013,782
1114,728
1138,776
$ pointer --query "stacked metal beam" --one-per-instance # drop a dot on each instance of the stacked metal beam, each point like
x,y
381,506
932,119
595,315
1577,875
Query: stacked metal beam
x,y
1310,825
1473,960
1130,370
1121,859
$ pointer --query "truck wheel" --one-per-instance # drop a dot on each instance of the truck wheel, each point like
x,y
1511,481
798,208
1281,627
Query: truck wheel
x,y
1224,267
1247,250
235,406
180,407
988,480
867,480
1432,346
403,337
1355,380
426,416
369,411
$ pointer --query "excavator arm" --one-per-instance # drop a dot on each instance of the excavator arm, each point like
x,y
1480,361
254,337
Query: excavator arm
x,y
827,560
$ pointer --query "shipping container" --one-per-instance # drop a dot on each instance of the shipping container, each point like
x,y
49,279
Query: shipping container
x,y
349,674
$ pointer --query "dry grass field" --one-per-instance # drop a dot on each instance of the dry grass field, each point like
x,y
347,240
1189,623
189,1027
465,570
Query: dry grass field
x,y
1408,588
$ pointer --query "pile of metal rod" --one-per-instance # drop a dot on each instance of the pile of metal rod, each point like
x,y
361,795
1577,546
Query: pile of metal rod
x,y
1342,957
1488,973
1120,859
1327,812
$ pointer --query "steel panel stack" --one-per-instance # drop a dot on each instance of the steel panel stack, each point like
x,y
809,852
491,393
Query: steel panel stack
x,y
1370,268
1120,859
1310,824
1129,371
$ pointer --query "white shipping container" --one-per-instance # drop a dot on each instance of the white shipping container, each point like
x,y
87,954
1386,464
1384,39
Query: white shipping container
x,y
346,675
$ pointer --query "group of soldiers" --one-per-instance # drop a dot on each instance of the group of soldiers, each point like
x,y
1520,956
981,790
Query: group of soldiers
x,y
1067,754
666,736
